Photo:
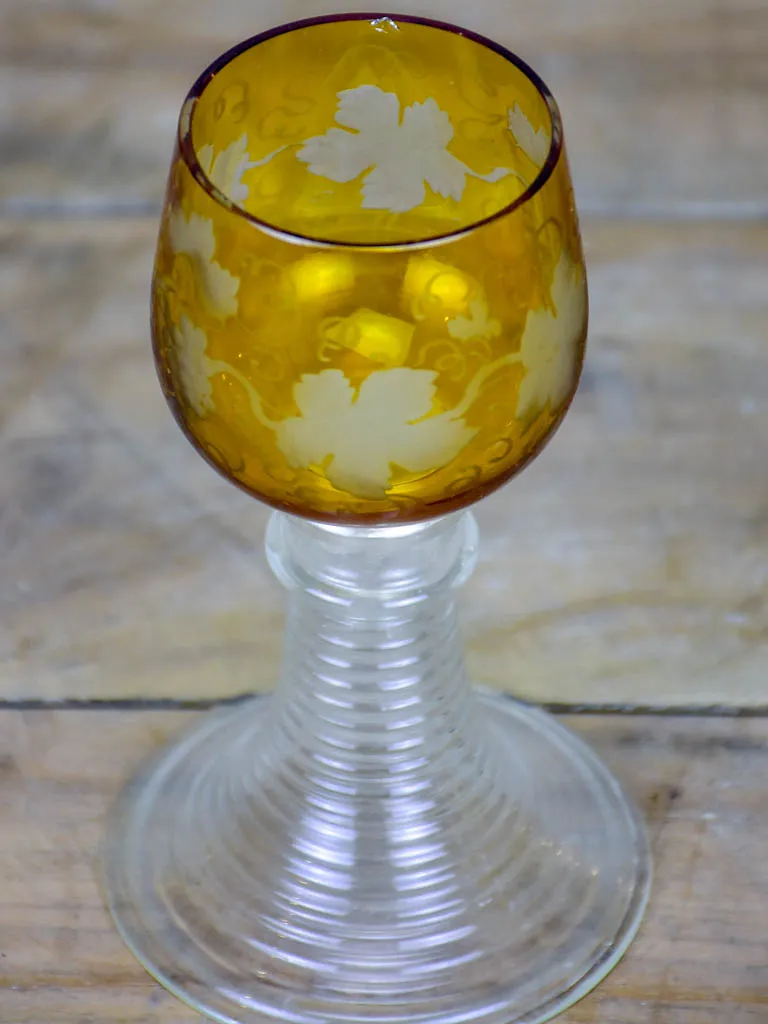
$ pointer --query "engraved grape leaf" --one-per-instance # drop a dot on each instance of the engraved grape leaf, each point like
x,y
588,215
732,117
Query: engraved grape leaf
x,y
356,436
398,154
194,236
535,144
226,169
193,366
548,348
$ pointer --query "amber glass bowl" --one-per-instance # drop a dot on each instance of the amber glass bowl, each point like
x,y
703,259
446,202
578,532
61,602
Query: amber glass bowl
x,y
369,300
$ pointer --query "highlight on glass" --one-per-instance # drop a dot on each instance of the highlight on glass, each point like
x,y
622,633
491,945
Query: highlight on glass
x,y
369,310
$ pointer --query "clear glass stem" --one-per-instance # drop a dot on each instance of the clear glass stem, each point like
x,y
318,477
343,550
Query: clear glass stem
x,y
377,841
374,687
375,721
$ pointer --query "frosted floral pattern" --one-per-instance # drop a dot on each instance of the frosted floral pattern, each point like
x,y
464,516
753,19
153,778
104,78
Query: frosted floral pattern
x,y
399,155
356,437
548,350
226,169
398,151
535,144
194,237
193,366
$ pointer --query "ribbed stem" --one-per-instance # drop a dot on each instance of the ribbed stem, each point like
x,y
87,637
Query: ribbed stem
x,y
374,688
374,727
376,844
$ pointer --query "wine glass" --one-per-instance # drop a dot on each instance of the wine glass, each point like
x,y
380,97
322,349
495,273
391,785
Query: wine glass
x,y
369,310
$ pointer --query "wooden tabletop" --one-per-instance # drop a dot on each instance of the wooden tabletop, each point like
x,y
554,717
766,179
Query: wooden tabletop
x,y
699,958
628,567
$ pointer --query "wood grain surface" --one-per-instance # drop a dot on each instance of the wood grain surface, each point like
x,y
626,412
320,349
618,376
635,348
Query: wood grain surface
x,y
663,101
699,958
629,564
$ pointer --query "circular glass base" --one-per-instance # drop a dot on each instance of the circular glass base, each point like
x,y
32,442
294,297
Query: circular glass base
x,y
253,895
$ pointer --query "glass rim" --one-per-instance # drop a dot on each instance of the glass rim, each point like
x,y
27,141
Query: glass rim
x,y
189,156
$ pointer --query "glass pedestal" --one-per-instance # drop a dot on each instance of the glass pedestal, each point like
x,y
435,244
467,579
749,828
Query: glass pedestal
x,y
377,841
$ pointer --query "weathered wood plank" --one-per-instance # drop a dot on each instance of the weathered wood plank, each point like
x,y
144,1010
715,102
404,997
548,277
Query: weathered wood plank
x,y
699,957
662,101
141,33
629,564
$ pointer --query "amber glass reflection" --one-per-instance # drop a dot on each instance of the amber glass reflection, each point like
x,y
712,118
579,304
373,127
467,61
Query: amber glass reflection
x,y
369,300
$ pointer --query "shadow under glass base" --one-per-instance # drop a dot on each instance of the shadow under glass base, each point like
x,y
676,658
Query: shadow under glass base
x,y
377,841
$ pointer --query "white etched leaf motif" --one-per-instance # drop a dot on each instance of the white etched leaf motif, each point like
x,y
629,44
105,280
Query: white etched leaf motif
x,y
226,169
373,115
194,236
357,437
535,144
193,366
548,349
399,155
477,325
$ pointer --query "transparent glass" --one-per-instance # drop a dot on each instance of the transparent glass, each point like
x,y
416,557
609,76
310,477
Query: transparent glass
x,y
369,309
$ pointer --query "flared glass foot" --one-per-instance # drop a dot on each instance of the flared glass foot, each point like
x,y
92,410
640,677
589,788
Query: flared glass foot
x,y
257,881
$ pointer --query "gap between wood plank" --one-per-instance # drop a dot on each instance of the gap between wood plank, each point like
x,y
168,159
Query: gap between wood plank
x,y
170,704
